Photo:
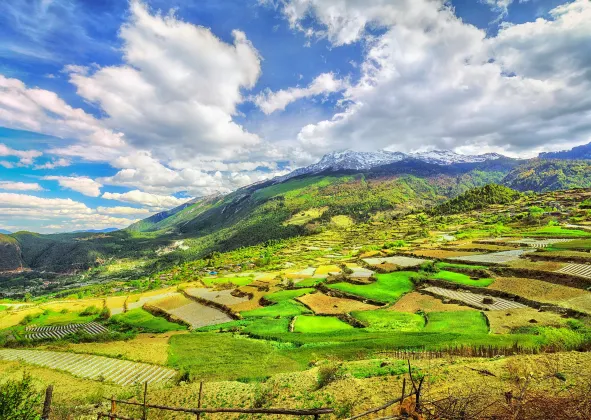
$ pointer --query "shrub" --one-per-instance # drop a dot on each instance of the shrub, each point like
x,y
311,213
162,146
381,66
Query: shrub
x,y
328,374
19,399
91,310
429,267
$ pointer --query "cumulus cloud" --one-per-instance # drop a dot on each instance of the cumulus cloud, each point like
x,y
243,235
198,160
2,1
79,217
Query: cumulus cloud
x,y
54,163
25,157
178,87
270,102
54,214
81,184
431,80
122,210
154,201
20,186
43,111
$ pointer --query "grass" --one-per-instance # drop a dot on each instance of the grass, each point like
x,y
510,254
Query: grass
x,y
381,320
214,356
387,288
319,324
265,326
3,308
288,294
463,322
238,281
145,321
575,244
309,282
559,231
286,308
50,317
462,279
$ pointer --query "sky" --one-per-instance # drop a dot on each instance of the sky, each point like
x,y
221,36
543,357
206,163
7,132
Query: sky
x,y
113,110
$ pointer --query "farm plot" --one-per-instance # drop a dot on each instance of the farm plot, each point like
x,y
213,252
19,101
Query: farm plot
x,y
545,292
329,305
198,315
400,261
581,270
218,296
457,322
387,288
121,372
60,331
237,281
415,301
475,299
442,253
361,273
538,243
495,257
503,322
141,301
319,324
390,321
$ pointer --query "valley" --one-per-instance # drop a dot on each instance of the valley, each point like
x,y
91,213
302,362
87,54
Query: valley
x,y
278,284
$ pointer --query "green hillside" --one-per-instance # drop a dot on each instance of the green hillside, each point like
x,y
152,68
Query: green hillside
x,y
478,198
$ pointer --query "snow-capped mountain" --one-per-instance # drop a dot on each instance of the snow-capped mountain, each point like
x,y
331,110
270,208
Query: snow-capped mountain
x,y
356,161
447,157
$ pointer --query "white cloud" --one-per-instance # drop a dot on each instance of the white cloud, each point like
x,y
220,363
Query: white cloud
x,y
154,201
178,88
53,214
54,163
431,80
325,83
26,157
81,184
45,112
122,210
20,186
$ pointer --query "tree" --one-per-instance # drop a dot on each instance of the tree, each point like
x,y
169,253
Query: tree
x,y
535,213
19,399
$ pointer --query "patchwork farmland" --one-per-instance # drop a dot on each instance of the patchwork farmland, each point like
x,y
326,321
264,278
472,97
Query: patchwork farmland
x,y
581,270
57,332
474,299
120,372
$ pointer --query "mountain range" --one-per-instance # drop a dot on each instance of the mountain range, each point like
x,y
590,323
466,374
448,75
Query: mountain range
x,y
358,185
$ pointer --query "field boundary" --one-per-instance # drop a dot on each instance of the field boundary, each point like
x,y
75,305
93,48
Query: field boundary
x,y
156,311
547,276
340,294
219,306
571,313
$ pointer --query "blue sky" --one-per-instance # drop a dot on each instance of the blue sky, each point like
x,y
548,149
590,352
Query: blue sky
x,y
113,110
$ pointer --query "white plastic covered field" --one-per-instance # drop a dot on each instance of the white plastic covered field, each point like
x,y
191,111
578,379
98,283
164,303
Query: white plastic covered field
x,y
121,372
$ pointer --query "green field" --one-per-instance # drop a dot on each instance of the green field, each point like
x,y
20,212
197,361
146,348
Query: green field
x,y
319,324
145,321
309,282
388,287
463,322
286,308
238,281
3,308
443,265
49,317
288,294
462,279
558,231
381,320
575,244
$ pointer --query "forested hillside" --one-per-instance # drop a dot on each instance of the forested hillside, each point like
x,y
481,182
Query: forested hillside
x,y
548,175
478,198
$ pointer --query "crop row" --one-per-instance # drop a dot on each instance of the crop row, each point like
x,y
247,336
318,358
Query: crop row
x,y
37,333
121,372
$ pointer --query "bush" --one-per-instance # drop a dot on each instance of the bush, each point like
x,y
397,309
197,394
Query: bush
x,y
105,313
429,267
19,399
328,374
91,310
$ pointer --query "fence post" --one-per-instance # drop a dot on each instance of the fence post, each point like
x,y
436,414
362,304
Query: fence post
x,y
113,407
199,400
47,403
145,413
403,389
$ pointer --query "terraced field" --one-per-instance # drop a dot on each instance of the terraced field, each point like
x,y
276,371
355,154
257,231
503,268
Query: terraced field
x,y
323,304
198,315
494,257
581,270
539,243
219,296
400,261
475,299
60,331
121,372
